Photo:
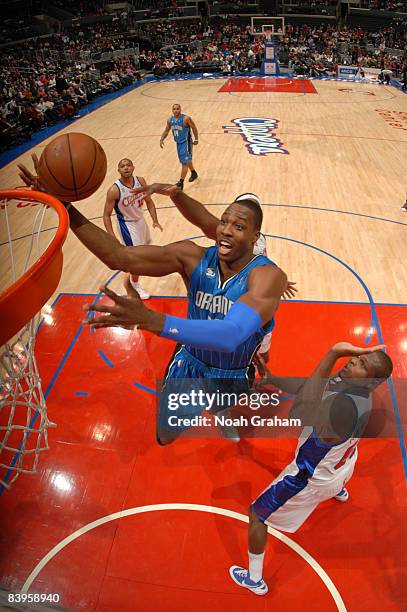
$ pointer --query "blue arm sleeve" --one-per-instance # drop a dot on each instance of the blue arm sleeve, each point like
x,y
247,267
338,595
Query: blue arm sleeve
x,y
222,335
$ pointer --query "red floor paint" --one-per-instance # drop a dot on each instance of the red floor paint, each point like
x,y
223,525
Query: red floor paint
x,y
104,459
270,84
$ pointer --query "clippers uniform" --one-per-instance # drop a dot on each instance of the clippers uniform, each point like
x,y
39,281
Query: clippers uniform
x,y
210,298
318,472
260,248
131,224
182,137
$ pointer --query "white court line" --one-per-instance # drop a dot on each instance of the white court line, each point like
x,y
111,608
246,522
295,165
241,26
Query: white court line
x,y
199,508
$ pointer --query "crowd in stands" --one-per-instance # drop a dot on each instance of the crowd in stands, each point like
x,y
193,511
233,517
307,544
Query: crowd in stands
x,y
316,50
45,80
399,6
42,83
82,8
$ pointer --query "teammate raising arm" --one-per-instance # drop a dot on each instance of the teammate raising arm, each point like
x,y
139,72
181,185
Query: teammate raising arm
x,y
336,410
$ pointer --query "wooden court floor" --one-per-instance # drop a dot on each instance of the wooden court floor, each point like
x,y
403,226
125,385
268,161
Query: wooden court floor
x,y
333,222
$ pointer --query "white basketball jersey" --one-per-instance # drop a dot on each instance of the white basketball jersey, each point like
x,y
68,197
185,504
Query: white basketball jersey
x,y
129,205
328,463
260,246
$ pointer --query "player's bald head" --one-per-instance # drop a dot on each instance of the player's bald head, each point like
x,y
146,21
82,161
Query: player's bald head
x,y
124,161
381,363
252,202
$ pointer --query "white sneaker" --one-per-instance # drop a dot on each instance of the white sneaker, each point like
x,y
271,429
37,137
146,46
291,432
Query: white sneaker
x,y
142,293
242,578
342,496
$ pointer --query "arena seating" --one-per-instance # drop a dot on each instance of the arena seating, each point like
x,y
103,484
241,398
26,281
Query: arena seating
x,y
44,80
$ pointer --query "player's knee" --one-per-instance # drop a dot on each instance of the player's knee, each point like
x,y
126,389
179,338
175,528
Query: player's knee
x,y
253,518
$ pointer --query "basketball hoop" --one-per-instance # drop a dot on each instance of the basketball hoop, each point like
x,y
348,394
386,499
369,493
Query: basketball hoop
x,y
32,276
268,35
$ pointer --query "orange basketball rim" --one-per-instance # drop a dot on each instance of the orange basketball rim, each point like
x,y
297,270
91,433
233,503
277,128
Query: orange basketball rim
x,y
26,296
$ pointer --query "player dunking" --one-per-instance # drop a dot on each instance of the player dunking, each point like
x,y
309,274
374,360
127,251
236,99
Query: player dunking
x,y
196,213
131,225
181,126
233,296
339,407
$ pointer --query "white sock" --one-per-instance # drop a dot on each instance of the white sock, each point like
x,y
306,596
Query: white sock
x,y
134,284
256,566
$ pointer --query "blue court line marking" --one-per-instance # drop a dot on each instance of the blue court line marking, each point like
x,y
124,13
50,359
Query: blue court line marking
x,y
145,388
374,323
106,359
81,393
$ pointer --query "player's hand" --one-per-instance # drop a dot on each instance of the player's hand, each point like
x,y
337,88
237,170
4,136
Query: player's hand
x,y
125,311
161,144
195,142
158,226
290,290
346,349
30,179
161,188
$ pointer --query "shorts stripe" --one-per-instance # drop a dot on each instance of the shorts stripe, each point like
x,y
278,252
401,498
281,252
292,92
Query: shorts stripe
x,y
279,493
124,230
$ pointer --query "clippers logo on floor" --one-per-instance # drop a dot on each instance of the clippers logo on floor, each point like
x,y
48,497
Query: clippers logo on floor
x,y
258,133
396,119
362,92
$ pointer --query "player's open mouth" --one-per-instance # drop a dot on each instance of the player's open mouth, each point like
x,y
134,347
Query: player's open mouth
x,y
224,247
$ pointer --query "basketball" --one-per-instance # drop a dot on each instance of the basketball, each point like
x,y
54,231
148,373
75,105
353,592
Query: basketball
x,y
72,167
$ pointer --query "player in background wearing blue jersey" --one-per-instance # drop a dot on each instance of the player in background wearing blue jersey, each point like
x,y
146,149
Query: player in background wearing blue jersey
x,y
181,126
233,296
338,407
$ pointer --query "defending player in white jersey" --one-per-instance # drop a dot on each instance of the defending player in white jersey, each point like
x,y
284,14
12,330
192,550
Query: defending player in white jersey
x,y
131,225
339,408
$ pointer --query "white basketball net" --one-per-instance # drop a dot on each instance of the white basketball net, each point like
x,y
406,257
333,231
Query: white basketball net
x,y
23,411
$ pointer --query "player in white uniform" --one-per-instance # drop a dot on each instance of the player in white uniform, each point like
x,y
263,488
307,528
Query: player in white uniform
x,y
339,408
260,248
131,225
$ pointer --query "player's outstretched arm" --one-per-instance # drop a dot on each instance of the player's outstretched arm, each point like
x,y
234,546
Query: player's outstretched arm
x,y
307,404
150,205
224,335
179,257
190,123
146,260
194,211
